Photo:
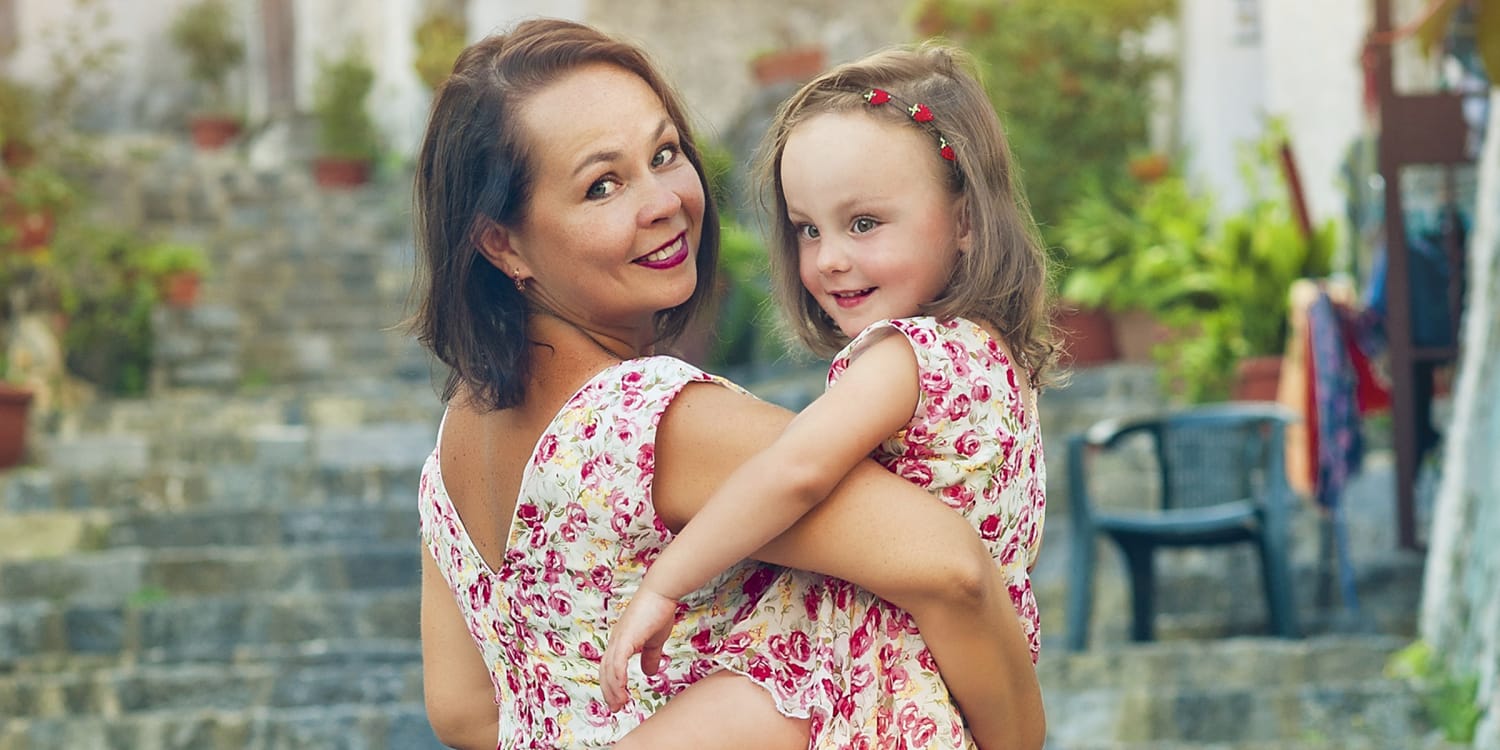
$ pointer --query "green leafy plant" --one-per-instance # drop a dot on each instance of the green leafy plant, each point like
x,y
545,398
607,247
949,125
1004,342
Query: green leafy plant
x,y
166,258
1253,259
205,33
1450,702
108,295
18,115
440,37
745,331
1151,255
345,128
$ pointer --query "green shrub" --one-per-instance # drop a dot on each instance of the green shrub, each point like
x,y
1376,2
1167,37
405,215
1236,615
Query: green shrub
x,y
345,128
205,33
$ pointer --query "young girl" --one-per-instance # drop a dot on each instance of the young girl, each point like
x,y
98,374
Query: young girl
x,y
902,243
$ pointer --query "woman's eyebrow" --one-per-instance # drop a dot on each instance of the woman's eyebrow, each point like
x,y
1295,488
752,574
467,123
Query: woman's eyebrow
x,y
608,155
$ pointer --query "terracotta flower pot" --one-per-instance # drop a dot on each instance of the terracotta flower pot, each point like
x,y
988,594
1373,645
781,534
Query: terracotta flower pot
x,y
15,402
1088,336
339,173
213,132
180,289
795,64
1257,378
32,230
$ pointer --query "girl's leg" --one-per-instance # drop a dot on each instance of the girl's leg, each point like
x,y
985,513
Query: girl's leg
x,y
725,711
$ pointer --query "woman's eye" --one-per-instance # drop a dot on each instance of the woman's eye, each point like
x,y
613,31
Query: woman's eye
x,y
807,231
863,224
665,156
603,188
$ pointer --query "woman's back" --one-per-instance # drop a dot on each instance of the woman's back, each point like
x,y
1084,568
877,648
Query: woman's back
x,y
581,534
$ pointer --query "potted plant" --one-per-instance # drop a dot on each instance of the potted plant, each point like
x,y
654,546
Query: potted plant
x,y
347,138
108,295
440,37
1137,256
177,271
1259,253
205,33
30,199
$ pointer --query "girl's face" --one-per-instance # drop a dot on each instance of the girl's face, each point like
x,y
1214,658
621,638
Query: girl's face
x,y
877,228
610,236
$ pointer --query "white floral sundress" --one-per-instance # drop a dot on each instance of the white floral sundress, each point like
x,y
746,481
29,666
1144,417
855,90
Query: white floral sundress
x,y
853,663
583,534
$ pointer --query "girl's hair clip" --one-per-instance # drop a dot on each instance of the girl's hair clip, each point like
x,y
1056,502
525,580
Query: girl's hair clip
x,y
919,113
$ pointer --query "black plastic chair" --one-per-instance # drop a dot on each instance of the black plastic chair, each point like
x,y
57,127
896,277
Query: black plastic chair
x,y
1222,481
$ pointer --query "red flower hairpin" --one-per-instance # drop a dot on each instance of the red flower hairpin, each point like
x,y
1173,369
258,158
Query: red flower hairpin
x,y
918,112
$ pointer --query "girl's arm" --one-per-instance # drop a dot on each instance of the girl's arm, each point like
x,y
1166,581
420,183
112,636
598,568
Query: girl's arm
x,y
882,533
455,683
874,398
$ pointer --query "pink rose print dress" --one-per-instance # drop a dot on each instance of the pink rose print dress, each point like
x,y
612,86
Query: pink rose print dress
x,y
854,663
583,534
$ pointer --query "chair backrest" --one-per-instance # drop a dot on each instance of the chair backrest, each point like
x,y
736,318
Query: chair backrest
x,y
1204,455
1213,455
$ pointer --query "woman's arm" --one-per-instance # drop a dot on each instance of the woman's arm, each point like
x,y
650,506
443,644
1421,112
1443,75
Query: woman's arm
x,y
455,683
879,532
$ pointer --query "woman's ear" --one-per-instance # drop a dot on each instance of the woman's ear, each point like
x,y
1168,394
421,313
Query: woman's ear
x,y
498,246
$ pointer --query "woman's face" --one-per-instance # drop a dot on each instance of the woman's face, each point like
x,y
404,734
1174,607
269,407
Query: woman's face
x,y
610,236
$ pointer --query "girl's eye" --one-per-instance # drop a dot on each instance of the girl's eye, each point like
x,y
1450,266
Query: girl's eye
x,y
603,188
863,224
666,155
807,231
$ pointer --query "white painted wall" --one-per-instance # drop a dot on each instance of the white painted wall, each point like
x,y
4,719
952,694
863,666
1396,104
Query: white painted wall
x,y
489,16
1223,94
1315,83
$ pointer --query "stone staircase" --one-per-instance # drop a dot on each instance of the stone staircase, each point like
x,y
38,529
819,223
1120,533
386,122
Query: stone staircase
x,y
240,577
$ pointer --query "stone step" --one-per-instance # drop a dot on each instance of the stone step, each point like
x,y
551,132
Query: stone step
x,y
345,480
1430,742
235,527
113,575
362,726
386,443
134,689
355,402
37,633
1239,662
1370,710
341,650
50,534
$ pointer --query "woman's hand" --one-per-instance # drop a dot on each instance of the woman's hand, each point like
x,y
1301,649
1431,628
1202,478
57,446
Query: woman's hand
x,y
643,628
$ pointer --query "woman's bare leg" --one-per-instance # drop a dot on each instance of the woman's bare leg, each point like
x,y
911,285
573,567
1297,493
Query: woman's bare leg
x,y
725,711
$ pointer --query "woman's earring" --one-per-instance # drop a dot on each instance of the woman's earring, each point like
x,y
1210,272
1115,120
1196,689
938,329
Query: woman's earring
x,y
520,282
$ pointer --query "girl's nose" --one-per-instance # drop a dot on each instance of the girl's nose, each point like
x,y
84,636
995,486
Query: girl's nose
x,y
832,257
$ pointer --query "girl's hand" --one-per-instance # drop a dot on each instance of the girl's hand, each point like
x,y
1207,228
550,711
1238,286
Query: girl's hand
x,y
642,628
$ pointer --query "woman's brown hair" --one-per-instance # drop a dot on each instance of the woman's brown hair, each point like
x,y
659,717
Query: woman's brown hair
x,y
474,169
1002,278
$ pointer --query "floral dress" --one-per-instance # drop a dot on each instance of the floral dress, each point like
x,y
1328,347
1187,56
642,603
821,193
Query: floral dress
x,y
583,534
852,662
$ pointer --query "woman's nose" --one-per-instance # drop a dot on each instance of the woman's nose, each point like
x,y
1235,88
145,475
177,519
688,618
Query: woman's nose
x,y
662,202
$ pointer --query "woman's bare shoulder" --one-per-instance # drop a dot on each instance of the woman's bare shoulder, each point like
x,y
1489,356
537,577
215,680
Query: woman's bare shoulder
x,y
706,433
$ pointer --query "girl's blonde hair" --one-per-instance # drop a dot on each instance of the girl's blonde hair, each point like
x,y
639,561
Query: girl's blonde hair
x,y
1002,278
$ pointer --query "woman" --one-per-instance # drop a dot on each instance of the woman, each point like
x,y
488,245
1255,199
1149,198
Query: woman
x,y
563,233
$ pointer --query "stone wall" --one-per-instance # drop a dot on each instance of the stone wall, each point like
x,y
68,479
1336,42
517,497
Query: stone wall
x,y
1461,601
